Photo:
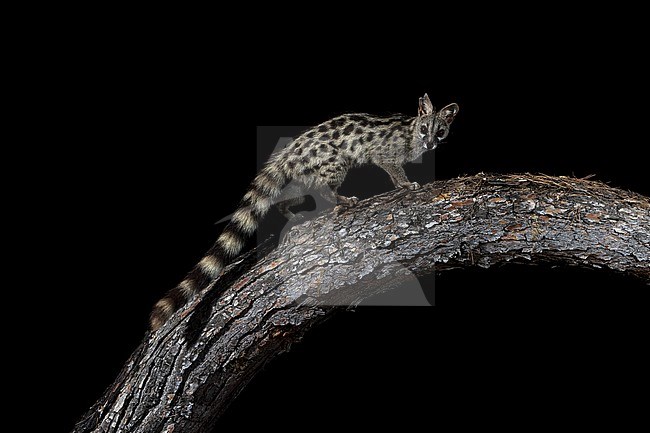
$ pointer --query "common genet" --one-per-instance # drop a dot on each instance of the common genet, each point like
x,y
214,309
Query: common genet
x,y
320,157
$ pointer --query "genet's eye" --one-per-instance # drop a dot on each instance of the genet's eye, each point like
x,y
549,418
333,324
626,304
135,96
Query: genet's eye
x,y
440,133
424,129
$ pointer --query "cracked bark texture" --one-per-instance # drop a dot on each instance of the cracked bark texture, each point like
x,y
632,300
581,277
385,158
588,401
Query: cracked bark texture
x,y
181,378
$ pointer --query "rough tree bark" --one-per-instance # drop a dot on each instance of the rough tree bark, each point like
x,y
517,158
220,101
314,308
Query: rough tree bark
x,y
182,377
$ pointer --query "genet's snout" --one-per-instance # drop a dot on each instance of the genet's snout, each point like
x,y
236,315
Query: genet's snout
x,y
432,144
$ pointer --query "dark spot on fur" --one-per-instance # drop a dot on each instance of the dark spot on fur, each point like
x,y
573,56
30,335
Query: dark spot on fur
x,y
363,121
348,129
324,137
334,151
308,171
382,133
322,146
291,165
335,135
310,134
331,159
309,142
344,144
358,131
323,128
360,140
370,136
298,151
313,152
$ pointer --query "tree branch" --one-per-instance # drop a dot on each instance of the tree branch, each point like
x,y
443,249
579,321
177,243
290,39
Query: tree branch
x,y
183,377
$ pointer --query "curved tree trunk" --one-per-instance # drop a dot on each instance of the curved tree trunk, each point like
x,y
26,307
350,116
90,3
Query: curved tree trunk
x,y
183,377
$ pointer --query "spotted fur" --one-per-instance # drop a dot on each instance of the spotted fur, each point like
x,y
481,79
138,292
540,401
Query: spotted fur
x,y
319,157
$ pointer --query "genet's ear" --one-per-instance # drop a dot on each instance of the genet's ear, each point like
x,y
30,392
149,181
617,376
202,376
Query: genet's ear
x,y
448,113
426,107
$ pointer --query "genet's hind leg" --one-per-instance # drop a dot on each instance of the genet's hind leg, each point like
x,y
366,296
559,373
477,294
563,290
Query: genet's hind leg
x,y
398,176
331,195
292,196
331,177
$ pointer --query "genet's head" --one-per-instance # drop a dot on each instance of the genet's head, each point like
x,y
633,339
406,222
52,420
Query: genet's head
x,y
432,127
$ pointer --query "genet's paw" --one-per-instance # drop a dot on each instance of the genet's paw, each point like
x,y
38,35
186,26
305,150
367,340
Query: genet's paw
x,y
348,201
298,218
345,203
411,185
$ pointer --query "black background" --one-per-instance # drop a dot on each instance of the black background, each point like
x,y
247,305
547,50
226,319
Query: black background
x,y
141,178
